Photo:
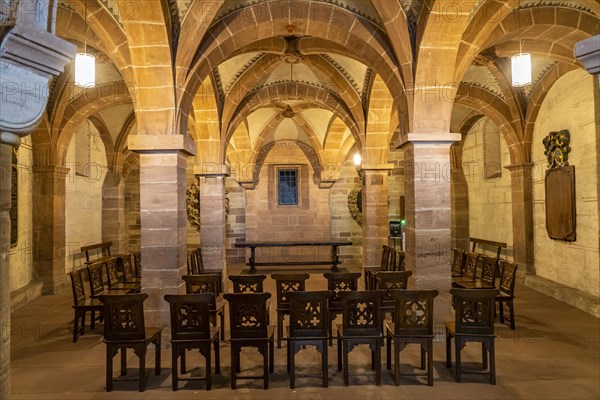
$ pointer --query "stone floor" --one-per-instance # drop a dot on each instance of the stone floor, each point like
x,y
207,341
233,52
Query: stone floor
x,y
553,354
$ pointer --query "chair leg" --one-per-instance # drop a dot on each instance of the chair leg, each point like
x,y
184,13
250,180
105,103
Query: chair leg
x,y
325,364
457,348
157,356
76,326
174,355
93,322
109,369
345,367
183,361
266,357
290,363
430,362
501,310
511,309
396,363
222,325
142,378
492,361
378,363
448,349
388,352
339,352
217,357
271,355
484,356
279,328
208,368
234,363
422,356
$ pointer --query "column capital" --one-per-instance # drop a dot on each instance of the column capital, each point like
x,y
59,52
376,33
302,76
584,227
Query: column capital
x,y
588,53
374,168
161,144
519,167
429,139
212,170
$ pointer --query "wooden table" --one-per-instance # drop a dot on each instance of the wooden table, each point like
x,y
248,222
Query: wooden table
x,y
333,244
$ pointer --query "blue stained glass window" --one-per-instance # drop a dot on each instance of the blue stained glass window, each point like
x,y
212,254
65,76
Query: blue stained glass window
x,y
288,187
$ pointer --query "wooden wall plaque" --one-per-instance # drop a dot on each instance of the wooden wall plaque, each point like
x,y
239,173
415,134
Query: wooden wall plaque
x,y
560,203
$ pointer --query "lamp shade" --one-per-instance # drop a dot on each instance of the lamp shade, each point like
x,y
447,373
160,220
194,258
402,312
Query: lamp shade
x,y
357,159
85,70
521,69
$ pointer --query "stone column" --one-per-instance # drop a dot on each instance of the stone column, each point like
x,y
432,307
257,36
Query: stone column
x,y
213,217
114,224
163,219
428,214
459,195
522,216
49,234
375,228
5,189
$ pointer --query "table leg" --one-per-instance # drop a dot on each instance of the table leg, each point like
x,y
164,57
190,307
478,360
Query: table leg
x,y
252,260
334,258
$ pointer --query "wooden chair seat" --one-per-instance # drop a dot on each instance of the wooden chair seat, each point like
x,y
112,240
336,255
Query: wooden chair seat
x,y
96,280
488,276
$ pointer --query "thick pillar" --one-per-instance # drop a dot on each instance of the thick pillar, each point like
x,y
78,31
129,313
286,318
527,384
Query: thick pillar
x,y
428,214
213,215
375,226
163,219
114,223
522,216
49,234
5,189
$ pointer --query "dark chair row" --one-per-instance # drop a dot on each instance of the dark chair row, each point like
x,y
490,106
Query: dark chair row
x,y
464,266
391,260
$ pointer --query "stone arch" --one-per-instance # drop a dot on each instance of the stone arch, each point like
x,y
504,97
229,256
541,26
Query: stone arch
x,y
377,139
209,146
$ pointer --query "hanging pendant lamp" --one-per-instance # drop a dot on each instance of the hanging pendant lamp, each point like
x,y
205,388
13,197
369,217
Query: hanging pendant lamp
x,y
85,63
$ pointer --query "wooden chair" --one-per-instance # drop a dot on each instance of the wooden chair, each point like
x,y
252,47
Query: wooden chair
x,y
473,322
247,283
389,281
398,260
195,266
126,265
470,271
508,276
338,282
413,324
208,283
124,329
488,276
137,263
249,328
81,305
383,266
97,283
113,280
285,284
191,329
457,265
309,323
362,324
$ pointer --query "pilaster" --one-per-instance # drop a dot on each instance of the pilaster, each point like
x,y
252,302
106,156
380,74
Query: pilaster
x,y
114,223
5,188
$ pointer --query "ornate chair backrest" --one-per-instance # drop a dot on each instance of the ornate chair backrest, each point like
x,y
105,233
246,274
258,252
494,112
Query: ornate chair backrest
x,y
385,257
205,283
248,315
414,312
126,266
508,277
488,271
77,286
338,282
137,263
474,310
124,317
362,312
308,313
399,264
287,283
247,283
111,271
471,260
194,261
95,277
458,261
190,316
390,280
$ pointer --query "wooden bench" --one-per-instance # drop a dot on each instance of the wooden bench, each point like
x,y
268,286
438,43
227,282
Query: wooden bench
x,y
483,242
102,251
333,244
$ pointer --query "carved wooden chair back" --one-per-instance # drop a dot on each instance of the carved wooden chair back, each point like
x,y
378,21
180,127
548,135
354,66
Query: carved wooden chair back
x,y
391,280
474,310
399,261
362,313
95,278
288,283
111,271
309,317
190,316
458,262
248,315
77,287
471,260
414,312
194,261
124,317
247,283
508,276
488,271
339,282
127,266
205,283
137,263
385,257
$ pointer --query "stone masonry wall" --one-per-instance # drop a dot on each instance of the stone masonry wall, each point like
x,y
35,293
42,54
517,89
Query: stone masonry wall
x,y
569,105
83,202
490,200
